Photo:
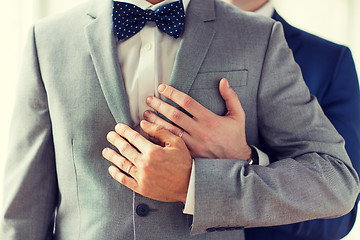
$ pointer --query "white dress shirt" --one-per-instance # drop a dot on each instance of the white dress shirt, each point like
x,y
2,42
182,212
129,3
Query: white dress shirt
x,y
267,10
146,61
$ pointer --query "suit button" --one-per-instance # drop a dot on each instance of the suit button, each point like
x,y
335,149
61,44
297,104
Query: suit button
x,y
142,210
211,229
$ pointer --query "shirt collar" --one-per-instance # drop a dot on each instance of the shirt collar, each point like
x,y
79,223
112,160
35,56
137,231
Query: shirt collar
x,y
267,10
143,4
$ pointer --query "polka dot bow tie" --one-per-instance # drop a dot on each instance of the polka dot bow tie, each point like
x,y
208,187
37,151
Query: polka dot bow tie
x,y
129,19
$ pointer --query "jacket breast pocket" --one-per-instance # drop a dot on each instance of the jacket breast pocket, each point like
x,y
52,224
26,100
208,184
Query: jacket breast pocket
x,y
205,88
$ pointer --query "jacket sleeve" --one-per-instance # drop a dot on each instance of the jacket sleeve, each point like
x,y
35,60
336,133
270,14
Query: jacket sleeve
x,y
312,176
30,184
341,104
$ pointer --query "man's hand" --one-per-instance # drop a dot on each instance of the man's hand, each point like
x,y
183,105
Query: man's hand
x,y
158,172
205,134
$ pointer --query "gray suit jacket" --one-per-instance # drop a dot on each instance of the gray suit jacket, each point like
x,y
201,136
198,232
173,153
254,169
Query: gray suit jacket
x,y
71,93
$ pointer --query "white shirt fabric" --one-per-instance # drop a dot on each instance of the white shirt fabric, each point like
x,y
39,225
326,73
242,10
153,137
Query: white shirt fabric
x,y
267,10
146,61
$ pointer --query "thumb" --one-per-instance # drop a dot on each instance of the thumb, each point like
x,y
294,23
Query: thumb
x,y
232,102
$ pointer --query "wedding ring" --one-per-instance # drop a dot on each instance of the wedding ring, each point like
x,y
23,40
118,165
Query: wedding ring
x,y
129,168
181,133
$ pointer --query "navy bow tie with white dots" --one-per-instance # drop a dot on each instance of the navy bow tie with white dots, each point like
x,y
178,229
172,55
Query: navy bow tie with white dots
x,y
129,19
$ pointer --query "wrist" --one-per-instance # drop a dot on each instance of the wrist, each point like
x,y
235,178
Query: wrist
x,y
247,154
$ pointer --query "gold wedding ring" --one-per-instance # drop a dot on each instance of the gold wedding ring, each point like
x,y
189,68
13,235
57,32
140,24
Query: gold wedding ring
x,y
181,133
129,168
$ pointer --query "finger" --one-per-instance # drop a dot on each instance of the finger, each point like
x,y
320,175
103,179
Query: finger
x,y
232,101
173,114
132,136
119,161
159,133
123,178
153,118
184,101
124,147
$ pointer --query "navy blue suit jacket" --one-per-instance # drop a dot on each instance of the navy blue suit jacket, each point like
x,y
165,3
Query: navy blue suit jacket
x,y
329,71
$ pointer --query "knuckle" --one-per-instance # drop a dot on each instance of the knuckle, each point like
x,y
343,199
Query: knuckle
x,y
173,130
153,118
124,147
175,115
157,121
133,136
188,102
124,131
113,157
156,103
158,128
171,91
120,164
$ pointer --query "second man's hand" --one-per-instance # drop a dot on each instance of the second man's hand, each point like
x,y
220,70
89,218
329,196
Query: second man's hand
x,y
206,134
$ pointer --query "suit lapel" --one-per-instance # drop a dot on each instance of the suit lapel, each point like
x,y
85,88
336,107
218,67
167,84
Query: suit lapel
x,y
197,38
102,46
291,33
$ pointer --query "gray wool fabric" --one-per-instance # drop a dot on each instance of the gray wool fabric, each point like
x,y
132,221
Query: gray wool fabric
x,y
71,94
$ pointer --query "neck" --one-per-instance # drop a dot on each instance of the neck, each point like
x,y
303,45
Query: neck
x,y
154,1
248,5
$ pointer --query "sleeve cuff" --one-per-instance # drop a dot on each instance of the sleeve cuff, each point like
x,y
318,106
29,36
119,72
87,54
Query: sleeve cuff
x,y
190,198
263,157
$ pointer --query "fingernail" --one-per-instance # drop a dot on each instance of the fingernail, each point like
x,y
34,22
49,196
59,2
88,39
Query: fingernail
x,y
105,152
226,82
112,170
144,122
110,135
146,114
149,100
118,127
161,87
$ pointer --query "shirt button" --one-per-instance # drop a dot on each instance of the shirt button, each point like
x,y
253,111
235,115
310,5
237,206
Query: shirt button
x,y
147,46
142,210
